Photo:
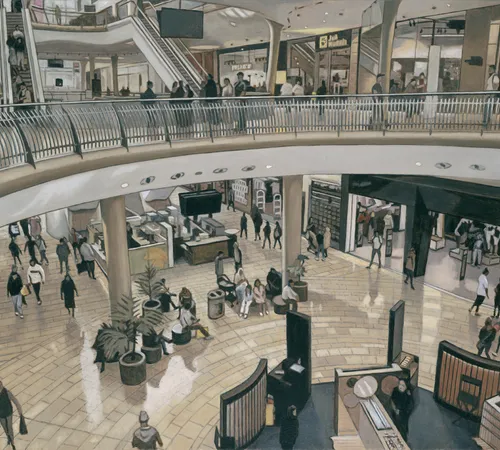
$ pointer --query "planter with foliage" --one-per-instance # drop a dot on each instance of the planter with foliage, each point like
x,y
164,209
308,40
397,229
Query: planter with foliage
x,y
296,272
150,288
121,338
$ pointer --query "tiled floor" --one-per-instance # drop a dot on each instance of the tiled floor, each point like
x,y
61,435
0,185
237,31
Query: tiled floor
x,y
47,362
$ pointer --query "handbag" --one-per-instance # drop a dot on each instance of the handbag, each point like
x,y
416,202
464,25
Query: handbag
x,y
23,429
25,291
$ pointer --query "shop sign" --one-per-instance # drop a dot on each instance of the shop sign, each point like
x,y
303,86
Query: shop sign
x,y
238,67
334,41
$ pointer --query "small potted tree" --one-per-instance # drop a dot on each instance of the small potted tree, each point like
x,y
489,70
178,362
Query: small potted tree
x,y
121,338
150,288
296,272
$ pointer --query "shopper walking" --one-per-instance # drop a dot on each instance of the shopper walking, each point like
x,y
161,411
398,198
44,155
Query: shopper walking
x,y
68,291
230,199
410,267
376,249
259,295
219,265
289,296
36,277
267,234
14,287
20,47
289,430
30,246
247,301
486,338
25,226
481,292
15,251
496,311
14,230
146,437
42,248
75,238
63,253
257,224
278,232
321,247
244,226
327,241
477,252
35,224
238,256
57,13
88,257
6,412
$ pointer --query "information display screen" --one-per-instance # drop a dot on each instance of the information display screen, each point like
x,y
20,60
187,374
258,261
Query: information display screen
x,y
180,23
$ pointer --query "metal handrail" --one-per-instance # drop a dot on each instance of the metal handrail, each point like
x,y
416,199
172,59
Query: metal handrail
x,y
31,133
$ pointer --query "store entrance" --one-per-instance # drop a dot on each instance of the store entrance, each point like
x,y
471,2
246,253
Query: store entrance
x,y
370,216
334,69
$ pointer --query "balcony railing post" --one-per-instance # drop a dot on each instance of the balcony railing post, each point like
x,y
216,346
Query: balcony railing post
x,y
76,139
295,108
26,146
123,135
165,123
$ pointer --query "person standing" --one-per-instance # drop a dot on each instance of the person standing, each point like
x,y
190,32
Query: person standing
x,y
477,252
57,13
14,287
148,94
238,257
378,111
410,267
376,249
75,242
402,407
278,232
259,295
321,92
496,311
481,292
20,47
244,226
240,89
289,430
227,90
321,246
30,246
267,234
6,411
68,291
241,282
14,230
219,265
88,257
35,224
289,296
287,88
15,251
246,301
36,277
230,199
257,224
42,248
25,226
146,437
298,89
487,335
327,241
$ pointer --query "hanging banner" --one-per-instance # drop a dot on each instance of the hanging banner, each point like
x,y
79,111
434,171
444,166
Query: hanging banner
x,y
334,41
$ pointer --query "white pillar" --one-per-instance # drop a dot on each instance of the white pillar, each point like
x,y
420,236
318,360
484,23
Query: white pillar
x,y
430,107
114,75
274,49
83,75
56,224
115,241
292,212
387,39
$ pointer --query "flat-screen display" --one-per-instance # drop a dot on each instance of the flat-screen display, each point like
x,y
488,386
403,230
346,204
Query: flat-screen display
x,y
202,202
180,23
396,327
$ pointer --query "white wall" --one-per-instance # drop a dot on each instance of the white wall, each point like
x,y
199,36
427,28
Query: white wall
x,y
70,75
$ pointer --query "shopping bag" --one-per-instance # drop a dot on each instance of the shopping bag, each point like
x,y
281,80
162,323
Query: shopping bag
x,y
25,291
23,429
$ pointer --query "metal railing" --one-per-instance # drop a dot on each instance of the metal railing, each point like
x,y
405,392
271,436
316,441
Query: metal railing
x,y
31,133
61,18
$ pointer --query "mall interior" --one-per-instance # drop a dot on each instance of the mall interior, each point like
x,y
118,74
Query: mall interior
x,y
306,258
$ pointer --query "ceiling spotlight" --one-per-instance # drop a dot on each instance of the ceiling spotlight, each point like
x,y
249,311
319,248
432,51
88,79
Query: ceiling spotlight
x,y
147,180
125,185
287,35
418,164
269,167
448,5
220,170
305,26
248,168
177,176
477,167
443,165
233,24
326,13
324,21
341,13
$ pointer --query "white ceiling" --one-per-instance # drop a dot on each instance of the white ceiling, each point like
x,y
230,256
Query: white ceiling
x,y
306,160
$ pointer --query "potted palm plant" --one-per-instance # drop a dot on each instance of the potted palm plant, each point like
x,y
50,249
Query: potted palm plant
x,y
296,272
150,288
121,338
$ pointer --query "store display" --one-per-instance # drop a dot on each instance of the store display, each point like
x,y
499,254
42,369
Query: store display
x,y
325,209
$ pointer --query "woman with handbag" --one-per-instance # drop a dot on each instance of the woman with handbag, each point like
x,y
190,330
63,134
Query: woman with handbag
x,y
6,411
486,338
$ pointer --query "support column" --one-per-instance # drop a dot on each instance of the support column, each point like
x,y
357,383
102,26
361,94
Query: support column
x,y
114,75
387,39
115,241
91,69
83,75
292,212
274,49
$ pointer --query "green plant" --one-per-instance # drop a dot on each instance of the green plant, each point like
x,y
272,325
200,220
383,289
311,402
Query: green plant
x,y
146,283
298,270
121,336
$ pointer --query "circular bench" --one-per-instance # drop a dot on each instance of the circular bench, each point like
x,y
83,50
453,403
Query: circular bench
x,y
280,307
180,336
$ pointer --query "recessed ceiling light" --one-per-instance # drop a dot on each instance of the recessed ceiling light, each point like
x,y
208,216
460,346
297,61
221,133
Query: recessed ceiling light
x,y
248,168
198,173
477,167
220,170
418,164
233,24
269,167
287,35
305,26
125,185
326,13
324,21
448,5
147,180
443,165
177,176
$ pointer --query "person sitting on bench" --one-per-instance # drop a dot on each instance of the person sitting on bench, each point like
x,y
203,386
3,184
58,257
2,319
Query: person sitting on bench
x,y
189,321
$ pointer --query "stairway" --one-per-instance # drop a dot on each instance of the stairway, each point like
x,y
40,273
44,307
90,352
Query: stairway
x,y
173,57
14,19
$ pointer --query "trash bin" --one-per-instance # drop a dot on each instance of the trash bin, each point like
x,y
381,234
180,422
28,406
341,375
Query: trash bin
x,y
216,306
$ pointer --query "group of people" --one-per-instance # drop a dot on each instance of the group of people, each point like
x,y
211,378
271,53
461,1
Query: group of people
x,y
319,241
17,48
246,294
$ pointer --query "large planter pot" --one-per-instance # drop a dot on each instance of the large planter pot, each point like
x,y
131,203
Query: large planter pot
x,y
151,305
150,340
133,368
300,287
153,354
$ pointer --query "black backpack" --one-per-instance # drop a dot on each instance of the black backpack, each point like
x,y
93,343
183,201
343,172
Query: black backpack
x,y
19,45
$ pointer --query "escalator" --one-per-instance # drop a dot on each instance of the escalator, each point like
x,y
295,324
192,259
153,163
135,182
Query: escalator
x,y
5,78
370,54
169,51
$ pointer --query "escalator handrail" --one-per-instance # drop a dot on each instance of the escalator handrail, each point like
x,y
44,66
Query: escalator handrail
x,y
4,59
36,76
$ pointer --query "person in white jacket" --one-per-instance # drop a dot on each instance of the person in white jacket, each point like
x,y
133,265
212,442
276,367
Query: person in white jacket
x,y
36,277
247,301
